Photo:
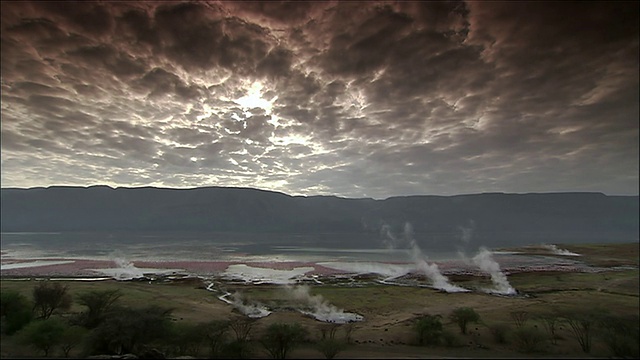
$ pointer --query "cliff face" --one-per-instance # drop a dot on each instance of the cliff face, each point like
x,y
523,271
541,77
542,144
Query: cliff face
x,y
558,216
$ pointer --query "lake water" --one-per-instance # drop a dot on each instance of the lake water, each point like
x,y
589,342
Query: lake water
x,y
210,247
273,258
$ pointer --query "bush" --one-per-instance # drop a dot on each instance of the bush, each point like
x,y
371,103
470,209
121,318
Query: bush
x,y
49,297
280,339
450,339
621,335
330,347
581,325
98,304
238,349
463,316
551,323
519,317
429,329
43,335
72,337
529,339
129,330
15,312
186,338
215,333
500,333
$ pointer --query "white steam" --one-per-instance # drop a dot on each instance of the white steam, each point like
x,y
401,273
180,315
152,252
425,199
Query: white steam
x,y
317,307
432,271
554,249
124,270
252,310
484,260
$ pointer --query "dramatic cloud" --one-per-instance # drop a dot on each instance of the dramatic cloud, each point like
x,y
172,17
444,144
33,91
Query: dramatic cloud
x,y
356,99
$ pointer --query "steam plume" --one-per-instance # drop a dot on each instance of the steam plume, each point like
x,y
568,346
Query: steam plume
x,y
484,260
554,249
252,310
432,271
125,269
317,307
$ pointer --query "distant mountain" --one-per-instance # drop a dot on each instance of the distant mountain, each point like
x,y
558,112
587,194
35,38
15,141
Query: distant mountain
x,y
489,218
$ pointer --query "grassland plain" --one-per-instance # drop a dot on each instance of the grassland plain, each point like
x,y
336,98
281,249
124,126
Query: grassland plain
x,y
390,311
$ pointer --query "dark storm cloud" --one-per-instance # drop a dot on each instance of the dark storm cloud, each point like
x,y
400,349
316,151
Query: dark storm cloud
x,y
349,98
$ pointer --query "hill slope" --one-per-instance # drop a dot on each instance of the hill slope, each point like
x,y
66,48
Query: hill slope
x,y
491,217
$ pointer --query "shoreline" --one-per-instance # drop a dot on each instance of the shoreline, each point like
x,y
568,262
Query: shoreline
x,y
65,267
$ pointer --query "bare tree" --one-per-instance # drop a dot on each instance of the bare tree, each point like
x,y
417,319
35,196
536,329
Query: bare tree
x,y
581,325
49,297
551,323
241,327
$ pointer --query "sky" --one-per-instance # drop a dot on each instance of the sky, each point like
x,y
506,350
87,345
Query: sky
x,y
351,98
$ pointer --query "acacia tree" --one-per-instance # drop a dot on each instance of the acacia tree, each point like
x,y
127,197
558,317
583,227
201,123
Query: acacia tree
x,y
130,330
463,316
71,337
215,333
240,346
98,304
280,339
49,297
43,335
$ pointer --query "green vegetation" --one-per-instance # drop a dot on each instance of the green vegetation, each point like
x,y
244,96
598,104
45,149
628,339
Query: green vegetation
x,y
15,312
429,329
554,317
49,297
281,338
463,316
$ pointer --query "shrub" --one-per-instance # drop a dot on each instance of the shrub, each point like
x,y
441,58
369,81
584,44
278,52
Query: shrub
x,y
330,347
49,297
15,312
429,329
551,323
450,339
280,339
98,304
581,325
621,335
238,349
186,339
72,336
463,316
348,332
529,339
129,330
500,333
519,317
215,333
43,335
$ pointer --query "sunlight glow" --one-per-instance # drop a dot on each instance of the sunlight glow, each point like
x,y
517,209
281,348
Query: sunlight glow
x,y
254,99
